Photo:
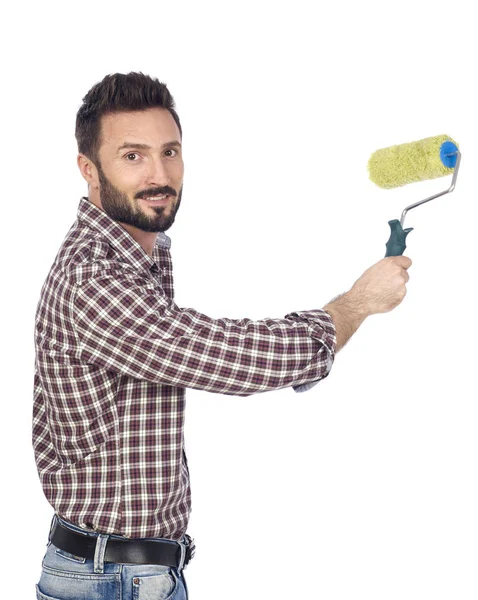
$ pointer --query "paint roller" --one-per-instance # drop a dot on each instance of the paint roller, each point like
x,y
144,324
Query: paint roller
x,y
400,165
408,163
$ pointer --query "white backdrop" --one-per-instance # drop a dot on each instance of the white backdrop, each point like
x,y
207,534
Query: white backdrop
x,y
365,486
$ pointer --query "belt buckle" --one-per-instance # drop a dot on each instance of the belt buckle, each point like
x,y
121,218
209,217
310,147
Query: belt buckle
x,y
187,551
182,560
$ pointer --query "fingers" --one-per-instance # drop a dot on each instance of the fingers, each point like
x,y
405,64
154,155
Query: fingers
x,y
403,261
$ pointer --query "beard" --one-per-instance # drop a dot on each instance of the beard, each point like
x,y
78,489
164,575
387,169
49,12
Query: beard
x,y
117,205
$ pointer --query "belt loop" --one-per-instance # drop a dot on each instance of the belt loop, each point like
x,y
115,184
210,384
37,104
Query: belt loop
x,y
52,524
100,549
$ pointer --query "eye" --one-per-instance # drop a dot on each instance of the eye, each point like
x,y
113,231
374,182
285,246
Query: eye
x,y
131,154
171,150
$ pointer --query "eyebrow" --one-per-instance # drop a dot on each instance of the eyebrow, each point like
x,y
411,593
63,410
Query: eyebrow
x,y
139,146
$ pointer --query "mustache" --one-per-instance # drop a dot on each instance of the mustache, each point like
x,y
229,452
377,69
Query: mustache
x,y
156,191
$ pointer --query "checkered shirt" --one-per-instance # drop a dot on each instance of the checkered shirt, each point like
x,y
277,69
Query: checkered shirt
x,y
114,354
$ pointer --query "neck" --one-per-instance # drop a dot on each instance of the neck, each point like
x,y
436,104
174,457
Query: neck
x,y
145,239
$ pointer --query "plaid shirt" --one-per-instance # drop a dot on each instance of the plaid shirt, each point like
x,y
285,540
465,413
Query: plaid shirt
x,y
114,354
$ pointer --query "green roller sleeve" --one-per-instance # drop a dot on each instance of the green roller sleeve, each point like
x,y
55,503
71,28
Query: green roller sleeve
x,y
396,242
408,163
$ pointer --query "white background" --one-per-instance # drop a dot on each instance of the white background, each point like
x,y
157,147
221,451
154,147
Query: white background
x,y
364,487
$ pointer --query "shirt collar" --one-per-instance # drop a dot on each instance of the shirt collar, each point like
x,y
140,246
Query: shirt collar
x,y
119,238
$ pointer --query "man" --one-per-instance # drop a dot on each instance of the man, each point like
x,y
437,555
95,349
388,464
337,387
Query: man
x,y
114,354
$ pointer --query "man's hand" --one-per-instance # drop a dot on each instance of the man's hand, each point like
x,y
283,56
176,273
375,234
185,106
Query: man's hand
x,y
383,286
380,289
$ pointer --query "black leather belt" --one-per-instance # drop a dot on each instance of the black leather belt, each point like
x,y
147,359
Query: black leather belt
x,y
136,551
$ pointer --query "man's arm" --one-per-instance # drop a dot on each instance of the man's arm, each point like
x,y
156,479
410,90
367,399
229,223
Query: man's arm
x,y
125,324
347,315
380,289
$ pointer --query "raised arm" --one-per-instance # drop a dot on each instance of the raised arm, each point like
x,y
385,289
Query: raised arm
x,y
126,325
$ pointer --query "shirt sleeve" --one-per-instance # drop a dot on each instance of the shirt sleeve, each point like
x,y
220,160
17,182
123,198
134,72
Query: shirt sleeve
x,y
125,324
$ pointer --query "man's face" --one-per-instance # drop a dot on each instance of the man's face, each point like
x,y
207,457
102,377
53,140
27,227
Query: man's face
x,y
141,158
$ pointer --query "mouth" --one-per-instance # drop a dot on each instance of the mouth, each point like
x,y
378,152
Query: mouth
x,y
160,200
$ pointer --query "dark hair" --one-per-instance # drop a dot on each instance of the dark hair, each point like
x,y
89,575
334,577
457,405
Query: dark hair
x,y
115,93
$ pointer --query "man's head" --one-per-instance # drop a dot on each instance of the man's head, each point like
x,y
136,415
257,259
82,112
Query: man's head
x,y
129,144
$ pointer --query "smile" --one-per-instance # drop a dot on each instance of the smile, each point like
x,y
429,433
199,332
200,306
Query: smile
x,y
161,199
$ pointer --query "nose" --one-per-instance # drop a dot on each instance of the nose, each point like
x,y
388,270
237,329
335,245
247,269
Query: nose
x,y
158,174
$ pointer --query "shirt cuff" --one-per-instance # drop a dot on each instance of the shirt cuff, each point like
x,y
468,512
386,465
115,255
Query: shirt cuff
x,y
323,328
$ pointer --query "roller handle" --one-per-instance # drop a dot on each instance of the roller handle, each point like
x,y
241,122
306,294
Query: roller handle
x,y
396,242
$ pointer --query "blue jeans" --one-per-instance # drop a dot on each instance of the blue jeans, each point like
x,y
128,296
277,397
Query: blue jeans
x,y
68,577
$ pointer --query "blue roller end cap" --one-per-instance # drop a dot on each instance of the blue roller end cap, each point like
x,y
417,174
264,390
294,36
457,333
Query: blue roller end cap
x,y
448,154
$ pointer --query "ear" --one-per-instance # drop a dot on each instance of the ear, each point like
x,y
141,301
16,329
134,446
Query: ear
x,y
88,171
